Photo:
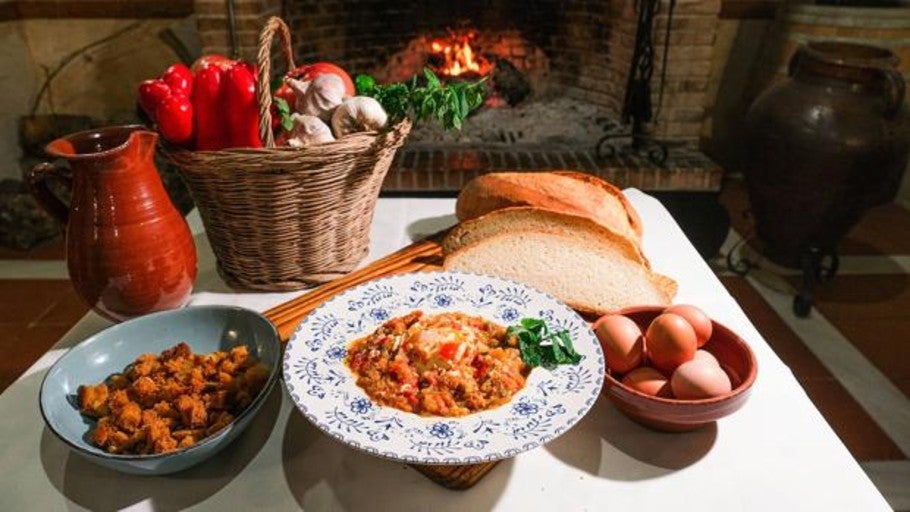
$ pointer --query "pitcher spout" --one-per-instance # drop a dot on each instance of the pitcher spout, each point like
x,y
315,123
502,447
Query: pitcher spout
x,y
144,140
103,142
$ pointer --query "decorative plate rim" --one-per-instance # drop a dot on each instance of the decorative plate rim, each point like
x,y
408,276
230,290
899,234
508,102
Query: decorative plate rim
x,y
586,401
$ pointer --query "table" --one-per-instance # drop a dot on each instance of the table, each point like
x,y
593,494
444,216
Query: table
x,y
776,453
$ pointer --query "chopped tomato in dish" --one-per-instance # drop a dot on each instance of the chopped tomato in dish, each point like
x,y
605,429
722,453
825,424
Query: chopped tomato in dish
x,y
448,364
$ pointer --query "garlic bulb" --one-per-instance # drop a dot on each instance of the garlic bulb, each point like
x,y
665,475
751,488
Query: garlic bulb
x,y
358,114
308,130
318,97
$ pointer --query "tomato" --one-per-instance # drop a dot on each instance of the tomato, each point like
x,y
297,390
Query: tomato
x,y
309,72
447,351
480,367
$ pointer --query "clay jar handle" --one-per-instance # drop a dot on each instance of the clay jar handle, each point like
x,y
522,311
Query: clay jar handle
x,y
794,62
895,88
37,183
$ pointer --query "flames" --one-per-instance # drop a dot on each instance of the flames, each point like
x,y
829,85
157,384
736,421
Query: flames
x,y
455,56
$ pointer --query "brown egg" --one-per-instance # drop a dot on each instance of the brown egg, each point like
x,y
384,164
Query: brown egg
x,y
621,340
704,355
670,342
649,381
699,379
696,318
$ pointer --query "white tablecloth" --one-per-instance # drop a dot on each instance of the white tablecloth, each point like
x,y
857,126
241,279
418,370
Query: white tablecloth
x,y
776,453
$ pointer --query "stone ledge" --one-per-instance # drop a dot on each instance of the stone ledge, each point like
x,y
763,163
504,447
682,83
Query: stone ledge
x,y
425,168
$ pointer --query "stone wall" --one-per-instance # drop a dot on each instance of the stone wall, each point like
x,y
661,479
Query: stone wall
x,y
100,83
692,52
18,89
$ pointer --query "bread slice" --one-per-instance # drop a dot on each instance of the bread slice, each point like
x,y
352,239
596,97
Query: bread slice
x,y
537,219
564,192
631,212
592,275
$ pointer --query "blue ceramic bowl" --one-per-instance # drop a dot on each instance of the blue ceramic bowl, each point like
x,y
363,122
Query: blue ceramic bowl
x,y
204,328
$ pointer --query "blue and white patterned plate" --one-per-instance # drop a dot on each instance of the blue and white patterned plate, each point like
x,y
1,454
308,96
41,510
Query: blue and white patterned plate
x,y
324,388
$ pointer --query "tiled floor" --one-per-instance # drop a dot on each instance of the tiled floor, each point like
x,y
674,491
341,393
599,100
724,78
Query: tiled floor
x,y
34,314
852,354
860,328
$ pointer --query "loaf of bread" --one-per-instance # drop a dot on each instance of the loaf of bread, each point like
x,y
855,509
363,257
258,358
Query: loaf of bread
x,y
593,275
562,191
537,219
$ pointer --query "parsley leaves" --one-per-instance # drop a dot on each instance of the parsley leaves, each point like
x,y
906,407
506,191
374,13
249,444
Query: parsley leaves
x,y
449,104
541,347
284,110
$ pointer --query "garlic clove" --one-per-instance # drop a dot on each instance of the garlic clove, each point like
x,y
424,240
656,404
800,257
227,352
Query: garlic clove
x,y
358,114
298,86
308,130
318,97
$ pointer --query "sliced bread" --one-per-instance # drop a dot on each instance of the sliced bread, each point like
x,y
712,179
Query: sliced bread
x,y
536,219
564,191
592,275
631,213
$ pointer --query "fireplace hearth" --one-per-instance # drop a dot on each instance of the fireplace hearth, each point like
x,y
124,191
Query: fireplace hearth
x,y
574,58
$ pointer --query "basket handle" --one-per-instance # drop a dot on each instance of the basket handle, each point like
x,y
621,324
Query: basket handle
x,y
264,62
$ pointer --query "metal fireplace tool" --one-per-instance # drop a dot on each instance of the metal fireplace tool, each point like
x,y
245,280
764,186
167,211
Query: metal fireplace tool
x,y
637,106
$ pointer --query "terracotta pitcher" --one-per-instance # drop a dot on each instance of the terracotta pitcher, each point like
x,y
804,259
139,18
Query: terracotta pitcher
x,y
129,251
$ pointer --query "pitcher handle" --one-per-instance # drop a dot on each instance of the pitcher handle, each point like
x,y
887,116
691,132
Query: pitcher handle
x,y
37,184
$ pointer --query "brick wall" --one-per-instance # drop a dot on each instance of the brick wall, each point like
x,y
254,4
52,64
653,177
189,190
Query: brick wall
x,y
692,36
250,15
580,48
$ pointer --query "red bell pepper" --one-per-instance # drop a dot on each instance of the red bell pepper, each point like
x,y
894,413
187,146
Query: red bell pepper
x,y
151,93
179,78
175,119
217,107
209,109
169,108
242,107
212,60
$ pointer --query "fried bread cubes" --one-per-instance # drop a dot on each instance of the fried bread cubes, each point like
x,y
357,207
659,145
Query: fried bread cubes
x,y
171,401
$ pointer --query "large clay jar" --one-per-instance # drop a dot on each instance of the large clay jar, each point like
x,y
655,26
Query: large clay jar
x,y
826,144
129,252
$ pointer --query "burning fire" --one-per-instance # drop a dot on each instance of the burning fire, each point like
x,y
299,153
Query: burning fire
x,y
456,56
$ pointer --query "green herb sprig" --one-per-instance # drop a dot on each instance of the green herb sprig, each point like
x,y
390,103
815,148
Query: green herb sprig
x,y
448,104
284,110
539,346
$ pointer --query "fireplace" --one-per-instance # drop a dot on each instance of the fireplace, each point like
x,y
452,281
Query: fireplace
x,y
574,47
567,64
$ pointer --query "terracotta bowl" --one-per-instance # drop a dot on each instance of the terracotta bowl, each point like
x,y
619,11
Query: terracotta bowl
x,y
673,415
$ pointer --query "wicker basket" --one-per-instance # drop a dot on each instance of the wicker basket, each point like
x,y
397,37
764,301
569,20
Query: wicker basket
x,y
282,218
